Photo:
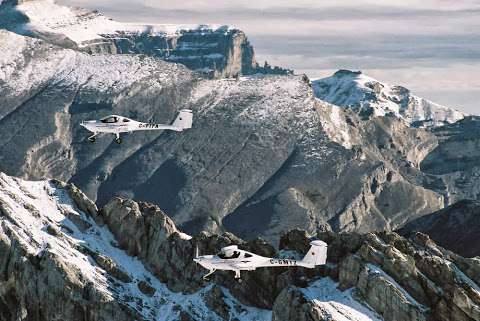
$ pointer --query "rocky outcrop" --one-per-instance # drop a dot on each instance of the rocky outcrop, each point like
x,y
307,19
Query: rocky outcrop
x,y
292,305
455,227
35,286
386,277
53,269
455,170
213,51
144,231
410,280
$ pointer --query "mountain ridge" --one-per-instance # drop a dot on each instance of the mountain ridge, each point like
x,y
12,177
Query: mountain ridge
x,y
370,97
255,140
62,259
212,50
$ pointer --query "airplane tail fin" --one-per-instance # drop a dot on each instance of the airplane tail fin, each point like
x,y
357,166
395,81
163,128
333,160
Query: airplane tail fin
x,y
184,119
317,255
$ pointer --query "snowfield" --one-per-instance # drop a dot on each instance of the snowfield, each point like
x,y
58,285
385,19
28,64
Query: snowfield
x,y
337,305
83,26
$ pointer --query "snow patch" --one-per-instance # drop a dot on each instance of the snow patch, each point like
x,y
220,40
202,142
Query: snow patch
x,y
337,305
83,26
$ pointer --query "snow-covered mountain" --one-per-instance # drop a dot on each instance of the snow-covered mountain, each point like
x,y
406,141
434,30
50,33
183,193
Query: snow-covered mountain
x,y
214,50
62,259
76,263
367,96
257,142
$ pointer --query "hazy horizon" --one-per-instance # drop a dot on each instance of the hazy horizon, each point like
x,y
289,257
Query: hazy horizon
x,y
432,47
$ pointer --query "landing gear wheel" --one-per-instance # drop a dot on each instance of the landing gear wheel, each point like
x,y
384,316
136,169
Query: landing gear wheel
x,y
118,140
240,281
91,139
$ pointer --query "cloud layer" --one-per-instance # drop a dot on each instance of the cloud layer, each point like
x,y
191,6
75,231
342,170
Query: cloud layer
x,y
431,47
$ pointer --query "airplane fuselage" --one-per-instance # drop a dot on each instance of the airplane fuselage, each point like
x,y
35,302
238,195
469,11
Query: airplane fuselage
x,y
232,258
116,125
96,126
213,262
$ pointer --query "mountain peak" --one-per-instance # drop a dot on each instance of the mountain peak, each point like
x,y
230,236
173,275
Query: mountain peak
x,y
346,72
370,97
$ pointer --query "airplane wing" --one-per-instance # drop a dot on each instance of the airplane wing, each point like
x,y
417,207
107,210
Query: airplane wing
x,y
244,264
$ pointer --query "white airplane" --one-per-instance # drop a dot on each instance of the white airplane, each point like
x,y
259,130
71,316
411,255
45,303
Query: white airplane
x,y
115,124
231,258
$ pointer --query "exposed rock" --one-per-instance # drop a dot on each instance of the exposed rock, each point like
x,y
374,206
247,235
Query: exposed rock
x,y
321,300
400,279
455,169
385,298
381,276
111,267
52,230
291,305
146,288
34,287
214,299
295,240
140,228
405,280
456,227
79,222
81,200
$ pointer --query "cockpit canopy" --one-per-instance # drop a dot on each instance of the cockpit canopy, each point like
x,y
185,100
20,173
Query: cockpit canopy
x,y
112,119
232,252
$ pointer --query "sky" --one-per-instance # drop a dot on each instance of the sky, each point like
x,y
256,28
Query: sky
x,y
431,47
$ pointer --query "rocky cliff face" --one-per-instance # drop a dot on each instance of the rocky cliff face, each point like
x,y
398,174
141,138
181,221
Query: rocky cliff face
x,y
455,227
260,149
397,278
369,97
213,50
62,259
454,162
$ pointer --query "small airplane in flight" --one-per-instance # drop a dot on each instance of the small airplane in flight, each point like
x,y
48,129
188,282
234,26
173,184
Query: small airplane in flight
x,y
115,124
232,258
